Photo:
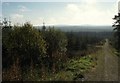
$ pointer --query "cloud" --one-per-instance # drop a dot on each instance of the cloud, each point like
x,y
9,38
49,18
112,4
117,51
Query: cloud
x,y
23,8
38,21
48,21
84,14
17,18
90,2
72,7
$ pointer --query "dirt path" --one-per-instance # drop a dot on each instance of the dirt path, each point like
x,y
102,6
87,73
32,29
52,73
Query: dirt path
x,y
107,66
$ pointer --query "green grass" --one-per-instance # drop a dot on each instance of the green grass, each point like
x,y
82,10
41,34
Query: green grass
x,y
72,69
114,51
75,67
117,53
81,64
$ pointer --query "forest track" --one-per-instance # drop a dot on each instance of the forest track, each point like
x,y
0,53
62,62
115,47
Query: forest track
x,y
107,66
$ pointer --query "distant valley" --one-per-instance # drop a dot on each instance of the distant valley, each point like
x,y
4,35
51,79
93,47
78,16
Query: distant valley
x,y
68,28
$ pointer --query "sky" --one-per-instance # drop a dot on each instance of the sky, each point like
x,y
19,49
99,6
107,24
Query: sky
x,y
84,12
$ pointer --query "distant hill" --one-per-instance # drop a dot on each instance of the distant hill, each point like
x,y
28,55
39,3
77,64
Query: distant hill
x,y
81,28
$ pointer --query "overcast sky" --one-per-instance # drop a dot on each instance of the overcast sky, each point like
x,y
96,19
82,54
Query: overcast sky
x,y
85,12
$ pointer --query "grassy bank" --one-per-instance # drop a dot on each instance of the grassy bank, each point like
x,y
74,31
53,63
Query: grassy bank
x,y
74,69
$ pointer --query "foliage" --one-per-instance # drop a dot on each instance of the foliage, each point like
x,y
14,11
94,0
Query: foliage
x,y
82,41
80,65
26,43
73,69
56,46
44,54
117,31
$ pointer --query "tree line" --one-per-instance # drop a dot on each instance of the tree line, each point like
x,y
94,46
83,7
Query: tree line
x,y
25,48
